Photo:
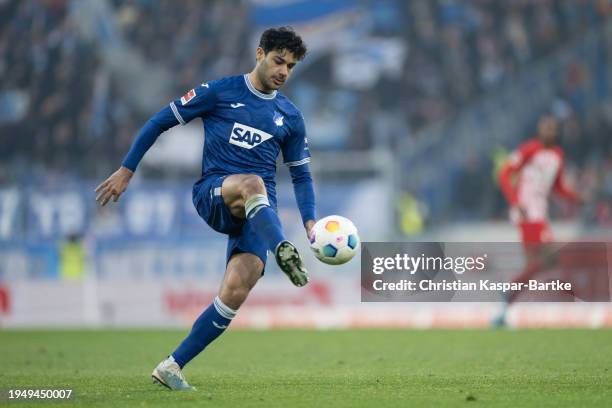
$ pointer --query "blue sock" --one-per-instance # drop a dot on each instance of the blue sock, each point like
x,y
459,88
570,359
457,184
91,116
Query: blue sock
x,y
265,220
210,325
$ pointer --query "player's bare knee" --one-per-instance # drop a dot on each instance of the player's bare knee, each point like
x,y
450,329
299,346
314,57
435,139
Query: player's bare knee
x,y
252,184
235,297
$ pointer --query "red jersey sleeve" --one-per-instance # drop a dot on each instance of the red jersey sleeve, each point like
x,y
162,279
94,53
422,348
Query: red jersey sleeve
x,y
517,160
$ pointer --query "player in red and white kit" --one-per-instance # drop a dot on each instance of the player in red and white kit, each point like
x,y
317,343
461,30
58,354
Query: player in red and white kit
x,y
538,167
538,163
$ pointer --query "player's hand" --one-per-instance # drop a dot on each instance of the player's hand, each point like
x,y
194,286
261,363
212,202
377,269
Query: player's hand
x,y
113,186
308,226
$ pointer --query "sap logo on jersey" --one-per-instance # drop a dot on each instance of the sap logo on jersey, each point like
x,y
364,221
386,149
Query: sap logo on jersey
x,y
247,137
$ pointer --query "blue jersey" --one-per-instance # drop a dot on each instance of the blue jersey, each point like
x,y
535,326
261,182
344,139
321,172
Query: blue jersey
x,y
245,130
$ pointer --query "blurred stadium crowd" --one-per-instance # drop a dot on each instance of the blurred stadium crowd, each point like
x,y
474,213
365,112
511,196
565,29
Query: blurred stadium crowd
x,y
59,110
64,114
461,49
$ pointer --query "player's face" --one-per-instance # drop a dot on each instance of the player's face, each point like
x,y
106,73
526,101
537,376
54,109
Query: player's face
x,y
274,68
547,130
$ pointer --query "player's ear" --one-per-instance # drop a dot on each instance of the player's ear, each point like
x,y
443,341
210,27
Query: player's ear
x,y
260,54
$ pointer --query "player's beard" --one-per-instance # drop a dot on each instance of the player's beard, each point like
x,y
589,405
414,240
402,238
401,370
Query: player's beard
x,y
275,84
267,80
271,85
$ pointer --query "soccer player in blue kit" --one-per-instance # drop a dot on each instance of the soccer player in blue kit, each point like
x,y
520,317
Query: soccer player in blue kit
x,y
247,123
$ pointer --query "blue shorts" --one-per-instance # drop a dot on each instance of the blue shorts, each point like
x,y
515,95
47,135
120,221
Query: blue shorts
x,y
209,203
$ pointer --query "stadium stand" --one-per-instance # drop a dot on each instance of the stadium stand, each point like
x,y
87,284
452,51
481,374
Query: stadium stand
x,y
64,113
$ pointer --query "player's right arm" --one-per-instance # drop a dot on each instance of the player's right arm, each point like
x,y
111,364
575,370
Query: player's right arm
x,y
512,167
194,103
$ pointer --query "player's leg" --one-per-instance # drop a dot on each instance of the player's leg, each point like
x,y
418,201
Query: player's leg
x,y
246,197
534,236
242,273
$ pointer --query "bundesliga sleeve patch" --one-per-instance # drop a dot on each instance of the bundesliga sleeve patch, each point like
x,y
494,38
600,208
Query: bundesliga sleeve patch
x,y
188,96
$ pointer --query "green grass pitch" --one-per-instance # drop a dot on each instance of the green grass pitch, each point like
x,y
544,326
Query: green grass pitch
x,y
352,368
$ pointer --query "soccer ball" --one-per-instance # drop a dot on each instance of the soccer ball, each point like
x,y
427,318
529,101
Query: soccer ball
x,y
334,240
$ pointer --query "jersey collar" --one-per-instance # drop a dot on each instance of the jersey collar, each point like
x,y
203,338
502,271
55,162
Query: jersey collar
x,y
255,91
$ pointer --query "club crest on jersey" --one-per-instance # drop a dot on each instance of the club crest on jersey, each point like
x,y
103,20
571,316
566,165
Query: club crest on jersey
x,y
278,119
247,136
188,96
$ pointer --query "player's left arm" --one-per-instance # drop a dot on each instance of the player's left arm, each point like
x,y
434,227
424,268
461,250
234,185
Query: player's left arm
x,y
561,188
196,102
116,184
296,155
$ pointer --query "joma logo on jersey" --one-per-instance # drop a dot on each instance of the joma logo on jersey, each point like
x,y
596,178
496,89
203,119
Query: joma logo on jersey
x,y
247,137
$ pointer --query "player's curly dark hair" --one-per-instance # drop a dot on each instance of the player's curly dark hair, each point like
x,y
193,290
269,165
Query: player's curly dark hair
x,y
283,38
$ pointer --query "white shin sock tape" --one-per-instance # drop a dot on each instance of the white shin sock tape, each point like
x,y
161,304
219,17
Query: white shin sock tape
x,y
255,202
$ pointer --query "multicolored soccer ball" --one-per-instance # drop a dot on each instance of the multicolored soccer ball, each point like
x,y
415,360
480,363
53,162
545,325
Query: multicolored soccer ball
x,y
334,240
